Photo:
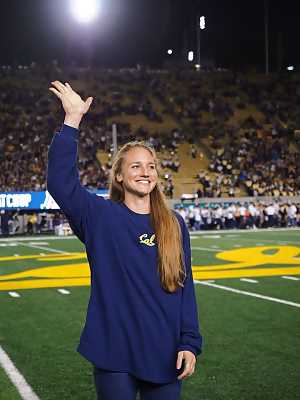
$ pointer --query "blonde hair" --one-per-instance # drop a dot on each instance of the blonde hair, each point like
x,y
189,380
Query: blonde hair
x,y
167,230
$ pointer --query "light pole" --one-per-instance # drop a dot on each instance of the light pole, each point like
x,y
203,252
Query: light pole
x,y
200,27
267,37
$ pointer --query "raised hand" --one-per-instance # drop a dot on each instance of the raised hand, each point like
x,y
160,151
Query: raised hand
x,y
72,103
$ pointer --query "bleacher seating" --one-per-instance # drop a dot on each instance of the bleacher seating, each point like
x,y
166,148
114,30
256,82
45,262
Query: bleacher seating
x,y
218,134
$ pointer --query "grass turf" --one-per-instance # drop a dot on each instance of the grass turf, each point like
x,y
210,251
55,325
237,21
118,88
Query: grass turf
x,y
251,345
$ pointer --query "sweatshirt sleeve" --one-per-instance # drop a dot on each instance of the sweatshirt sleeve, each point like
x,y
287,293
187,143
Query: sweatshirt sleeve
x,y
63,179
191,338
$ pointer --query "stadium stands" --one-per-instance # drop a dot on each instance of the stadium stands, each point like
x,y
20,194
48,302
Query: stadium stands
x,y
217,134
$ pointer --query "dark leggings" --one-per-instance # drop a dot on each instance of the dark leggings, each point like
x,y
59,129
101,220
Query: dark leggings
x,y
123,386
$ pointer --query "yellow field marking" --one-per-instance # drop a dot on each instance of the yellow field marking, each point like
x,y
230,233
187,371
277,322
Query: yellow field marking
x,y
254,256
46,257
43,283
243,273
57,271
79,274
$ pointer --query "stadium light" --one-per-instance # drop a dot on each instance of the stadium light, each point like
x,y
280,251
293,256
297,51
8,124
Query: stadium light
x,y
190,56
202,22
85,11
170,52
290,68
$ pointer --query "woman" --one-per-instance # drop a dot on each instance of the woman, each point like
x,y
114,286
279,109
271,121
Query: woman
x,y
141,331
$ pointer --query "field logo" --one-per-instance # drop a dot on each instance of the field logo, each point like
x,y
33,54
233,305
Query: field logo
x,y
240,263
237,263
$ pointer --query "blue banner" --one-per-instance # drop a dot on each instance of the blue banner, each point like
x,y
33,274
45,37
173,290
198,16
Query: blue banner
x,y
33,200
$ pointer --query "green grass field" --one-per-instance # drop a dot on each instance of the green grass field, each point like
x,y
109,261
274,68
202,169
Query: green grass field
x,y
251,344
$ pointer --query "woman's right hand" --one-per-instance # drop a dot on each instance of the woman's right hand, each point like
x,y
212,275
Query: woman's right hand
x,y
72,103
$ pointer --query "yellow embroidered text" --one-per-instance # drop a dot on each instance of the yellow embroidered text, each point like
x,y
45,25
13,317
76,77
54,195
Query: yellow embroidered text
x,y
148,241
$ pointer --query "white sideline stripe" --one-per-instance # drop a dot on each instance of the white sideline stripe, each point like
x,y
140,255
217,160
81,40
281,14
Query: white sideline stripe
x,y
38,239
192,234
39,243
44,248
63,291
292,278
211,236
248,280
16,378
206,249
14,294
259,296
225,231
274,241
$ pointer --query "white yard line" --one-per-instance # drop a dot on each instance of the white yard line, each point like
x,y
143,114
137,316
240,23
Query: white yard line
x,y
248,280
292,278
16,378
259,296
14,294
43,248
63,291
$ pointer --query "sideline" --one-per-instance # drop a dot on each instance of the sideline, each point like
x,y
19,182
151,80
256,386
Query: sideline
x,y
260,296
16,377
207,249
238,231
43,248
35,238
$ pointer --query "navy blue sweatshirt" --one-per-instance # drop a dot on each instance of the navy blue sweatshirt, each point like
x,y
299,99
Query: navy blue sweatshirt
x,y
133,325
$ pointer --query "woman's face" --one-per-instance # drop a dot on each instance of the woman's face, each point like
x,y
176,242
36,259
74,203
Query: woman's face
x,y
138,175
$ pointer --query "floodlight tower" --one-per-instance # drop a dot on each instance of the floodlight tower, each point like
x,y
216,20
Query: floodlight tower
x,y
201,24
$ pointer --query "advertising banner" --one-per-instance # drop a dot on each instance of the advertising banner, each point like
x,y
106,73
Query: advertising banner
x,y
33,200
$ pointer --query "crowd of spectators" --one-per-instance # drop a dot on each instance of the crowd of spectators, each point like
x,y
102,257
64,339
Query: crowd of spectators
x,y
241,215
31,223
262,163
27,124
217,185
214,216
30,116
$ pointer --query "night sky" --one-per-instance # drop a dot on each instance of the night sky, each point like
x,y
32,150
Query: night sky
x,y
140,31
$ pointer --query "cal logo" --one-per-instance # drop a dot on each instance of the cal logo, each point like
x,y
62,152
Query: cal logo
x,y
147,241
